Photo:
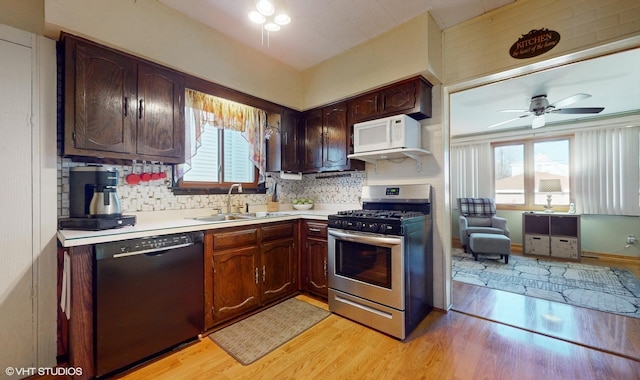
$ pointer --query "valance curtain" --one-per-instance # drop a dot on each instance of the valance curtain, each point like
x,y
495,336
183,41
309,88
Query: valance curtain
x,y
471,171
202,109
607,171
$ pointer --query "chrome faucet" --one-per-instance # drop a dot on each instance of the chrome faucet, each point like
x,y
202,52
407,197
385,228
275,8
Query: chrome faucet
x,y
239,186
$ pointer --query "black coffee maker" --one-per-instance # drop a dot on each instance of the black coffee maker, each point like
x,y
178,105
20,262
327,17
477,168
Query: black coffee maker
x,y
93,199
92,192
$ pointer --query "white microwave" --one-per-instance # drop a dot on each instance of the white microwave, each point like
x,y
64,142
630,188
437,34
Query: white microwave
x,y
398,131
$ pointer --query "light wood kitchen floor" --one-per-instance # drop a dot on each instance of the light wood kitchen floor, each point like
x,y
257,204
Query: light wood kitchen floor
x,y
444,346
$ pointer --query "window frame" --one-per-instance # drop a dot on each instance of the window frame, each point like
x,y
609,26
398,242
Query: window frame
x,y
529,173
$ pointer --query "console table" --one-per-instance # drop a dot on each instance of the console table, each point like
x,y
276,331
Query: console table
x,y
551,234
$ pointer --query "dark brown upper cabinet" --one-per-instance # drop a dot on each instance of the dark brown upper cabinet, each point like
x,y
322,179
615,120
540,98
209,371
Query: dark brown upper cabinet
x,y
313,140
411,97
283,150
327,140
290,141
120,107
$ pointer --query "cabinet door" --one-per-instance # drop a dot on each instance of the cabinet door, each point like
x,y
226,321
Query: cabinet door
x,y
365,107
336,136
277,261
315,280
400,98
235,282
313,140
290,160
160,114
105,96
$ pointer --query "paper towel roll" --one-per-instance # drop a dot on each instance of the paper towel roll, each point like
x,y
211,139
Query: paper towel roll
x,y
295,176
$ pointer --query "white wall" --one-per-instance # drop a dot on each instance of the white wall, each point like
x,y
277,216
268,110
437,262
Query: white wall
x,y
413,48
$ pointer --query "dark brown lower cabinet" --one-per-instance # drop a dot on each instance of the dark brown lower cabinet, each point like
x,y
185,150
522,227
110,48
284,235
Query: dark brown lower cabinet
x,y
278,277
235,283
247,268
315,254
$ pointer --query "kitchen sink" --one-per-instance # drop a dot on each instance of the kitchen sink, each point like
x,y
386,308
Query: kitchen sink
x,y
231,217
225,217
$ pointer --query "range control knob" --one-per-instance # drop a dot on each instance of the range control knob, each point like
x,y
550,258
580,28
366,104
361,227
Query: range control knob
x,y
382,228
372,227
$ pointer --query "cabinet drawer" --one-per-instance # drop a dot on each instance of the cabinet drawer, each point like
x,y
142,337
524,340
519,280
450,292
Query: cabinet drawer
x,y
564,247
235,239
278,231
536,245
316,229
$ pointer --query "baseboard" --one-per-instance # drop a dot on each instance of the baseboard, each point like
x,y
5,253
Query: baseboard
x,y
517,248
610,257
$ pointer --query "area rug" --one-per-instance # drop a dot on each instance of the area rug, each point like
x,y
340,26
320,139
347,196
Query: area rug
x,y
252,338
596,287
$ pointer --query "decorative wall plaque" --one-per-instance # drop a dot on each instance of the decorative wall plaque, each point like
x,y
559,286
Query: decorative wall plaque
x,y
534,43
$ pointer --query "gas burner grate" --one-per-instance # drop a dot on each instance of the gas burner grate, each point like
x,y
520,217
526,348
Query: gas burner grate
x,y
380,214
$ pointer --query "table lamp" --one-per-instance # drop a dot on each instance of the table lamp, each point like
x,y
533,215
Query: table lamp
x,y
549,186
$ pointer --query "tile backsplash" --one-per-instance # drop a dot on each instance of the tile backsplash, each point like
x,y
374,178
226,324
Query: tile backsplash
x,y
333,188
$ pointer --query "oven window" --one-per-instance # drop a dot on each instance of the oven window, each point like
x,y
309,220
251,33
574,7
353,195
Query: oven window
x,y
363,262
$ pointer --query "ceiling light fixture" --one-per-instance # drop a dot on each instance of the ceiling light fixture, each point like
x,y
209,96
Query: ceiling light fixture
x,y
269,17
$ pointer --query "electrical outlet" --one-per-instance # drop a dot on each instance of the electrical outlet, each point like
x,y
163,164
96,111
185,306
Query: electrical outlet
x,y
631,239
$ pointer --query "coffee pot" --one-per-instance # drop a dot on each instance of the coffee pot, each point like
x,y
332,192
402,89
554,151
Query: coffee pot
x,y
92,192
104,203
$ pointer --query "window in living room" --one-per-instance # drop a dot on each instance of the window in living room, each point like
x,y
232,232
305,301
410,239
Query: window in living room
x,y
520,166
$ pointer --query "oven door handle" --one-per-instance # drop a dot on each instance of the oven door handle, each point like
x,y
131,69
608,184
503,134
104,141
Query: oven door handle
x,y
367,239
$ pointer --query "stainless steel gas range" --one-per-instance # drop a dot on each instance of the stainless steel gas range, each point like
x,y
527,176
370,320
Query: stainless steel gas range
x,y
380,268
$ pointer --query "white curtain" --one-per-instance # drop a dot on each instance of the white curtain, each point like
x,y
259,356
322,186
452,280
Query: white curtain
x,y
471,167
204,109
607,171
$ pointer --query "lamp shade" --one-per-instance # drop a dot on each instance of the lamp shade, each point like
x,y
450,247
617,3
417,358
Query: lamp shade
x,y
550,186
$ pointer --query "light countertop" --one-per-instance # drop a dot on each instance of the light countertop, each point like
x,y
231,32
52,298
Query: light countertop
x,y
178,221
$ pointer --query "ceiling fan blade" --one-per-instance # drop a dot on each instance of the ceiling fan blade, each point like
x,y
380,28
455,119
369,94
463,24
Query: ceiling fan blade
x,y
516,111
538,121
578,110
570,100
508,121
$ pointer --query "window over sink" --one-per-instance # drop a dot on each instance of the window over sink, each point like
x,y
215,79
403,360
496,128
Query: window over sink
x,y
224,143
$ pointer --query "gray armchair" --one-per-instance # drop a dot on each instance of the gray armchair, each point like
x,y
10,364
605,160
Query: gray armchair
x,y
478,215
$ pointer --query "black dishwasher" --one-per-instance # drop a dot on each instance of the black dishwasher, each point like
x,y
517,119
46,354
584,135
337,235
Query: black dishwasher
x,y
149,297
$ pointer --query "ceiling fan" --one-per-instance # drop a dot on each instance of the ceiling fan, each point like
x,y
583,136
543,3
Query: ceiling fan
x,y
540,106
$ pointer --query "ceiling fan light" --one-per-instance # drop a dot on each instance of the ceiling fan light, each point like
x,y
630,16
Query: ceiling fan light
x,y
282,18
265,7
272,27
538,121
257,17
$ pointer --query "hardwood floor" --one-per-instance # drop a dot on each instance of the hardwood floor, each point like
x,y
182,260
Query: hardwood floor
x,y
604,331
449,345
